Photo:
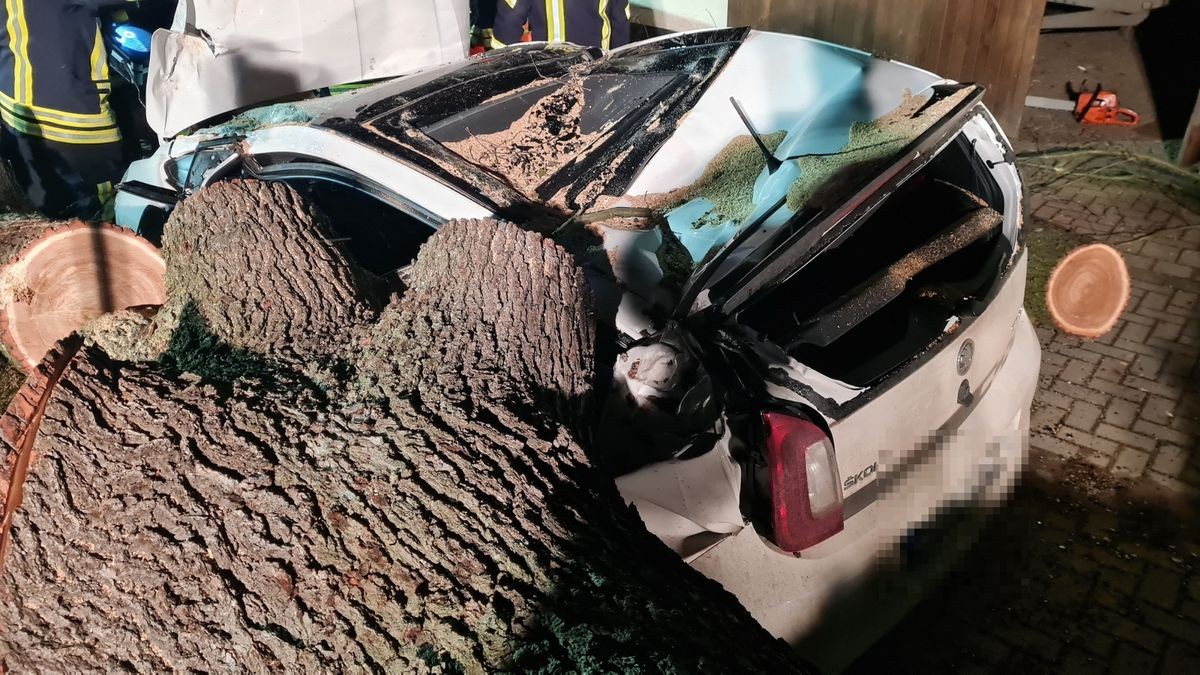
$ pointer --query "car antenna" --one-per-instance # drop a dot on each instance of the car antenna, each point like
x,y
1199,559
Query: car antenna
x,y
773,162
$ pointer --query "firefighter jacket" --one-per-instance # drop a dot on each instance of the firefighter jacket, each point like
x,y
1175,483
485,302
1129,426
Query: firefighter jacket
x,y
54,71
592,23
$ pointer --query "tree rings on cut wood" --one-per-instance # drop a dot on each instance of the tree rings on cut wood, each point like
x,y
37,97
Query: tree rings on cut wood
x,y
1088,290
57,276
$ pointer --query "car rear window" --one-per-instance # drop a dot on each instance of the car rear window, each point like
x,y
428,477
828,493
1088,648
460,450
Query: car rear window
x,y
529,135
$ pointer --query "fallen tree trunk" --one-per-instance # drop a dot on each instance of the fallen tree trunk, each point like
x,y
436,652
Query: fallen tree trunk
x,y
421,505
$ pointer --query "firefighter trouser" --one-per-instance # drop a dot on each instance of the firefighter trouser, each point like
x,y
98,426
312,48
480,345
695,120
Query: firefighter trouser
x,y
65,180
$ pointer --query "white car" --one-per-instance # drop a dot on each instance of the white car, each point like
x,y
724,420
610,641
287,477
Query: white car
x,y
811,259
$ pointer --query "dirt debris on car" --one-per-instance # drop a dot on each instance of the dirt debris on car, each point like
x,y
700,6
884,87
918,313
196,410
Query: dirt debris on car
x,y
727,182
825,177
537,144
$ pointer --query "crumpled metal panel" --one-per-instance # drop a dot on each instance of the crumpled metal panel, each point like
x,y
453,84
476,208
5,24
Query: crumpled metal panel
x,y
222,55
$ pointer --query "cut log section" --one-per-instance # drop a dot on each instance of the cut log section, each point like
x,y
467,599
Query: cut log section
x,y
1088,290
57,276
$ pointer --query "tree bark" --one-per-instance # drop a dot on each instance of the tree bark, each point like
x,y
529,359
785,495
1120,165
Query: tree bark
x,y
263,270
433,512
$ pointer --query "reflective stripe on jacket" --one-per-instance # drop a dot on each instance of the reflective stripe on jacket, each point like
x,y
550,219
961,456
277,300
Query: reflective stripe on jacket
x,y
592,23
54,81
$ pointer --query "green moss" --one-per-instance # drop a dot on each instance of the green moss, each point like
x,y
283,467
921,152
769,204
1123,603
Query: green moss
x,y
1047,245
194,349
438,661
869,145
728,181
675,261
11,379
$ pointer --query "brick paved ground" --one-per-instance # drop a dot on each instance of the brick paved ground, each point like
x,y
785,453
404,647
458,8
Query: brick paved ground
x,y
1095,565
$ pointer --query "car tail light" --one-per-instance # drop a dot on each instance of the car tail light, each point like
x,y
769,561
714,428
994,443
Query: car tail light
x,y
806,491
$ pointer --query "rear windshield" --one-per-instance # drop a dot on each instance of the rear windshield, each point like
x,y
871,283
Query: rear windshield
x,y
530,135
559,125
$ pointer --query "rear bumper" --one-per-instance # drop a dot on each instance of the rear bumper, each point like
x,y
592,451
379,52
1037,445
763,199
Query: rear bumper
x,y
843,594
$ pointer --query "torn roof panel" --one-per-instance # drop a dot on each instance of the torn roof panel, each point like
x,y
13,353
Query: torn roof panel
x,y
223,55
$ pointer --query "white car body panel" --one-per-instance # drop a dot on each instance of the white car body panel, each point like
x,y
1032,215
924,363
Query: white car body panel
x,y
432,195
976,460
903,479
223,55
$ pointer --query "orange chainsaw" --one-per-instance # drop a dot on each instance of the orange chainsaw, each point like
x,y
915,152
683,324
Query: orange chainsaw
x,y
1100,107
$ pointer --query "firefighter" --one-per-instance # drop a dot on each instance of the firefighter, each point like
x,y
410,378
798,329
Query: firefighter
x,y
59,131
592,23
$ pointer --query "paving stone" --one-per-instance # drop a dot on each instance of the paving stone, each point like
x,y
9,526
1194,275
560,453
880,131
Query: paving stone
x,y
1162,433
1155,300
1097,643
1159,215
1124,437
1145,347
1180,657
1159,315
1135,332
1130,659
1078,392
1121,413
1173,485
1179,346
1189,257
1114,390
1160,251
1053,359
1146,366
1139,262
1167,330
1160,387
1190,610
1087,441
1031,640
1045,212
1132,632
1158,409
1185,299
1110,369
1179,364
1130,463
1173,269
1169,623
1122,355
1053,398
1058,446
1079,662
1084,415
1170,460
1160,587
1073,352
1077,371
1099,460
1114,560
1181,315
1045,418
